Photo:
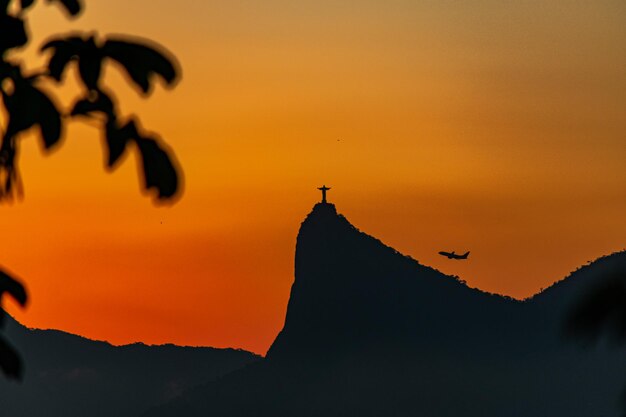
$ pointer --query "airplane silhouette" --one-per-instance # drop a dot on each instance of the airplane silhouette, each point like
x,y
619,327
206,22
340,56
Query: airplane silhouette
x,y
452,255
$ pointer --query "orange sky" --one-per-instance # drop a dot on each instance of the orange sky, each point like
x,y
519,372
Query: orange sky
x,y
490,126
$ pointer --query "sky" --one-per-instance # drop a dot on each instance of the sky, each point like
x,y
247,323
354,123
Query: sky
x,y
490,126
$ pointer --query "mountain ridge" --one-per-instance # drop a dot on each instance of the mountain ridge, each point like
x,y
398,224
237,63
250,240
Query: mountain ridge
x,y
16,322
372,332
71,376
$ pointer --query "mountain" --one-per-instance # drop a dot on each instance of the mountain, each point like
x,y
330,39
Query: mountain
x,y
70,376
371,332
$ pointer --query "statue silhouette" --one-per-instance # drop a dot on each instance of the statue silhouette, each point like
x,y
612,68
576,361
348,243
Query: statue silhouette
x,y
323,189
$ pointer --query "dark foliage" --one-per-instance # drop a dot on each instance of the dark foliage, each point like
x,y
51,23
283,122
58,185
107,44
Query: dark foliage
x,y
160,173
10,362
27,104
13,32
73,7
140,61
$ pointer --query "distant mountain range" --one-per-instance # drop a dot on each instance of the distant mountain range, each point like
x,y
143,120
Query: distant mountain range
x,y
368,332
71,376
371,332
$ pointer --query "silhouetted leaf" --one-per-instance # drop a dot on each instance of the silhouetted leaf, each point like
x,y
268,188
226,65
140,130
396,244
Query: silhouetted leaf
x,y
159,171
141,62
16,290
10,362
12,32
64,50
28,106
13,287
8,170
86,51
117,139
101,103
50,122
90,64
73,7
25,4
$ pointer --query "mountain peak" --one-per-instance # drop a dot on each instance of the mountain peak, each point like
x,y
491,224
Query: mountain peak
x,y
371,332
323,209
352,291
322,215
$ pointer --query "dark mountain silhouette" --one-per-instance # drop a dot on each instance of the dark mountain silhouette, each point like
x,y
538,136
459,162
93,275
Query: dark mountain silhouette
x,y
371,332
70,376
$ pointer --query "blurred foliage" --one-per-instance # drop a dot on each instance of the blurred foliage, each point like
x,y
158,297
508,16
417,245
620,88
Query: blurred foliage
x,y
601,311
10,362
27,105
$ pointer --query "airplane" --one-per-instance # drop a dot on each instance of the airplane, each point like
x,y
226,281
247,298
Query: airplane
x,y
452,255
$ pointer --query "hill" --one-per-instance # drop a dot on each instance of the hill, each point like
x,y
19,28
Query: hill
x,y
70,376
371,332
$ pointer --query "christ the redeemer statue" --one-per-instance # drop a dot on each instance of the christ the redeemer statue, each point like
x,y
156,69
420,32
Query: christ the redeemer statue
x,y
323,189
